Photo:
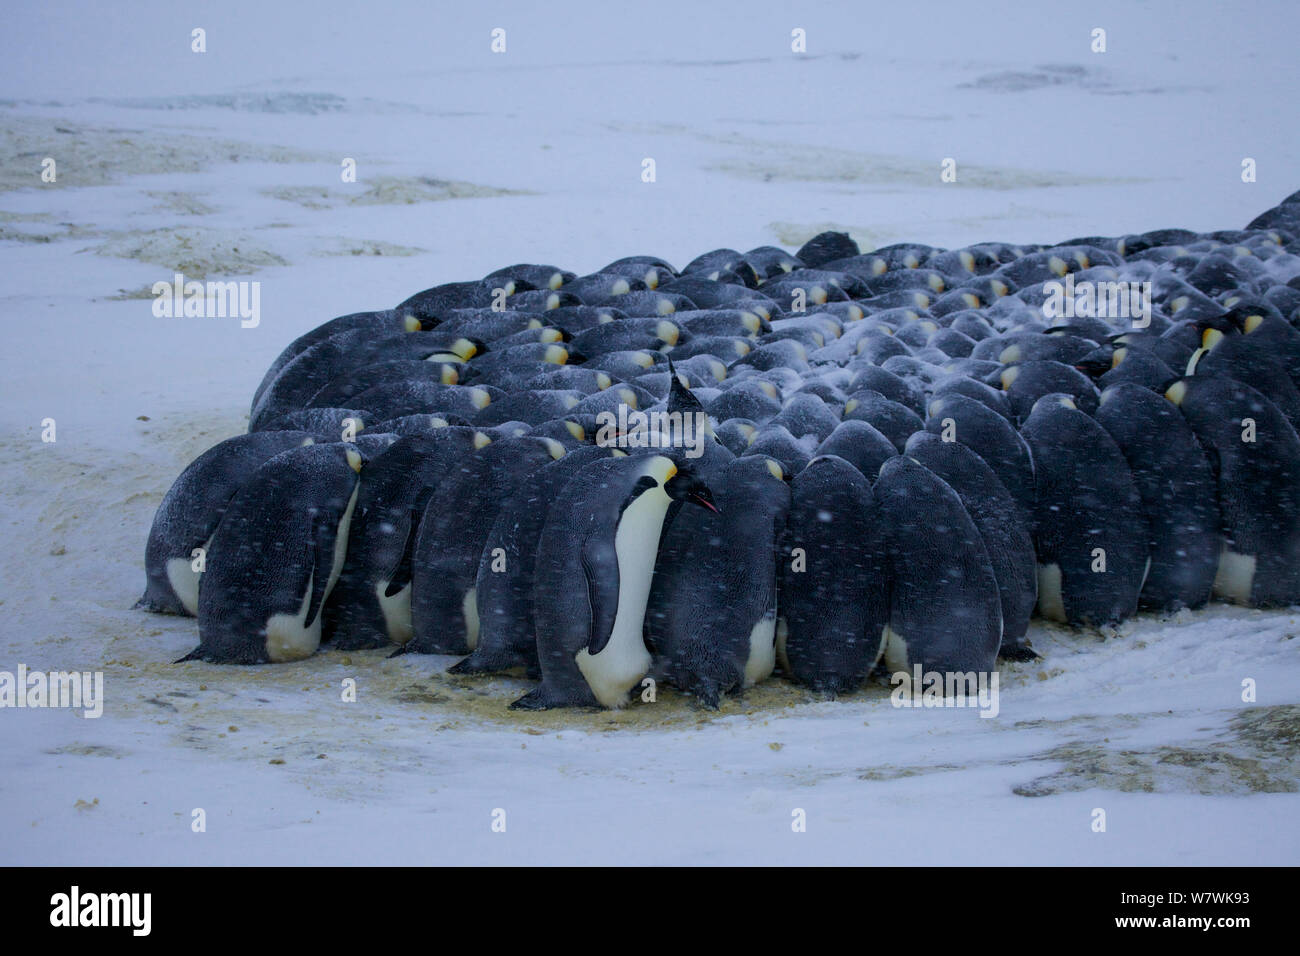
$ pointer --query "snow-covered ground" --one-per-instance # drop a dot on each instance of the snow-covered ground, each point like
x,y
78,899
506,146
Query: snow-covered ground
x,y
226,165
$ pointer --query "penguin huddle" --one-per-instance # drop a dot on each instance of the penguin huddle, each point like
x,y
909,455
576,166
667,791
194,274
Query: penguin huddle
x,y
901,455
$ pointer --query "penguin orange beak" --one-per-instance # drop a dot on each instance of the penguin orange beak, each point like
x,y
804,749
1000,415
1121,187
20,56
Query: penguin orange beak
x,y
704,498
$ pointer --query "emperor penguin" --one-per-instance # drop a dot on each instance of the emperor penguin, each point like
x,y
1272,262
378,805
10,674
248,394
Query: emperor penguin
x,y
1002,528
711,623
371,604
1176,482
945,609
833,592
191,511
1256,457
276,556
503,590
595,565
453,531
1090,536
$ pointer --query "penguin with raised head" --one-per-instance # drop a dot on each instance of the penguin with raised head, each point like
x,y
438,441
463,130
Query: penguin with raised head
x,y
592,580
275,557
191,511
833,593
1090,536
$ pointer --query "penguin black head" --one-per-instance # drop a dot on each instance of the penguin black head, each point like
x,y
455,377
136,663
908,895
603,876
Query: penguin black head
x,y
685,486
1097,362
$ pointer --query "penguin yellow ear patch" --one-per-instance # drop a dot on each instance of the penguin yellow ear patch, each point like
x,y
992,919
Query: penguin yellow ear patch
x,y
1117,357
1253,322
603,381
481,440
480,397
557,451
411,323
777,472
437,422
556,355
354,460
576,430
1008,377
1176,392
667,332
1210,338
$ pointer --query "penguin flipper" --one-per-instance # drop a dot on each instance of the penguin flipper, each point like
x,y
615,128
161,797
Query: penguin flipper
x,y
320,559
600,568
399,576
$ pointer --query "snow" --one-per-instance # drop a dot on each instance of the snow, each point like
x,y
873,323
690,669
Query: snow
x,y
228,162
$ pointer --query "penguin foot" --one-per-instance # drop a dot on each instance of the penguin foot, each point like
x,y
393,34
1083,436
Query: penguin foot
x,y
1018,652
194,655
536,699
486,664
402,649
147,603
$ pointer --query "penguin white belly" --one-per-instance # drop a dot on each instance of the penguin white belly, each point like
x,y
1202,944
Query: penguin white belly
x,y
1051,603
184,582
288,638
894,646
469,607
1235,576
624,660
762,652
396,609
